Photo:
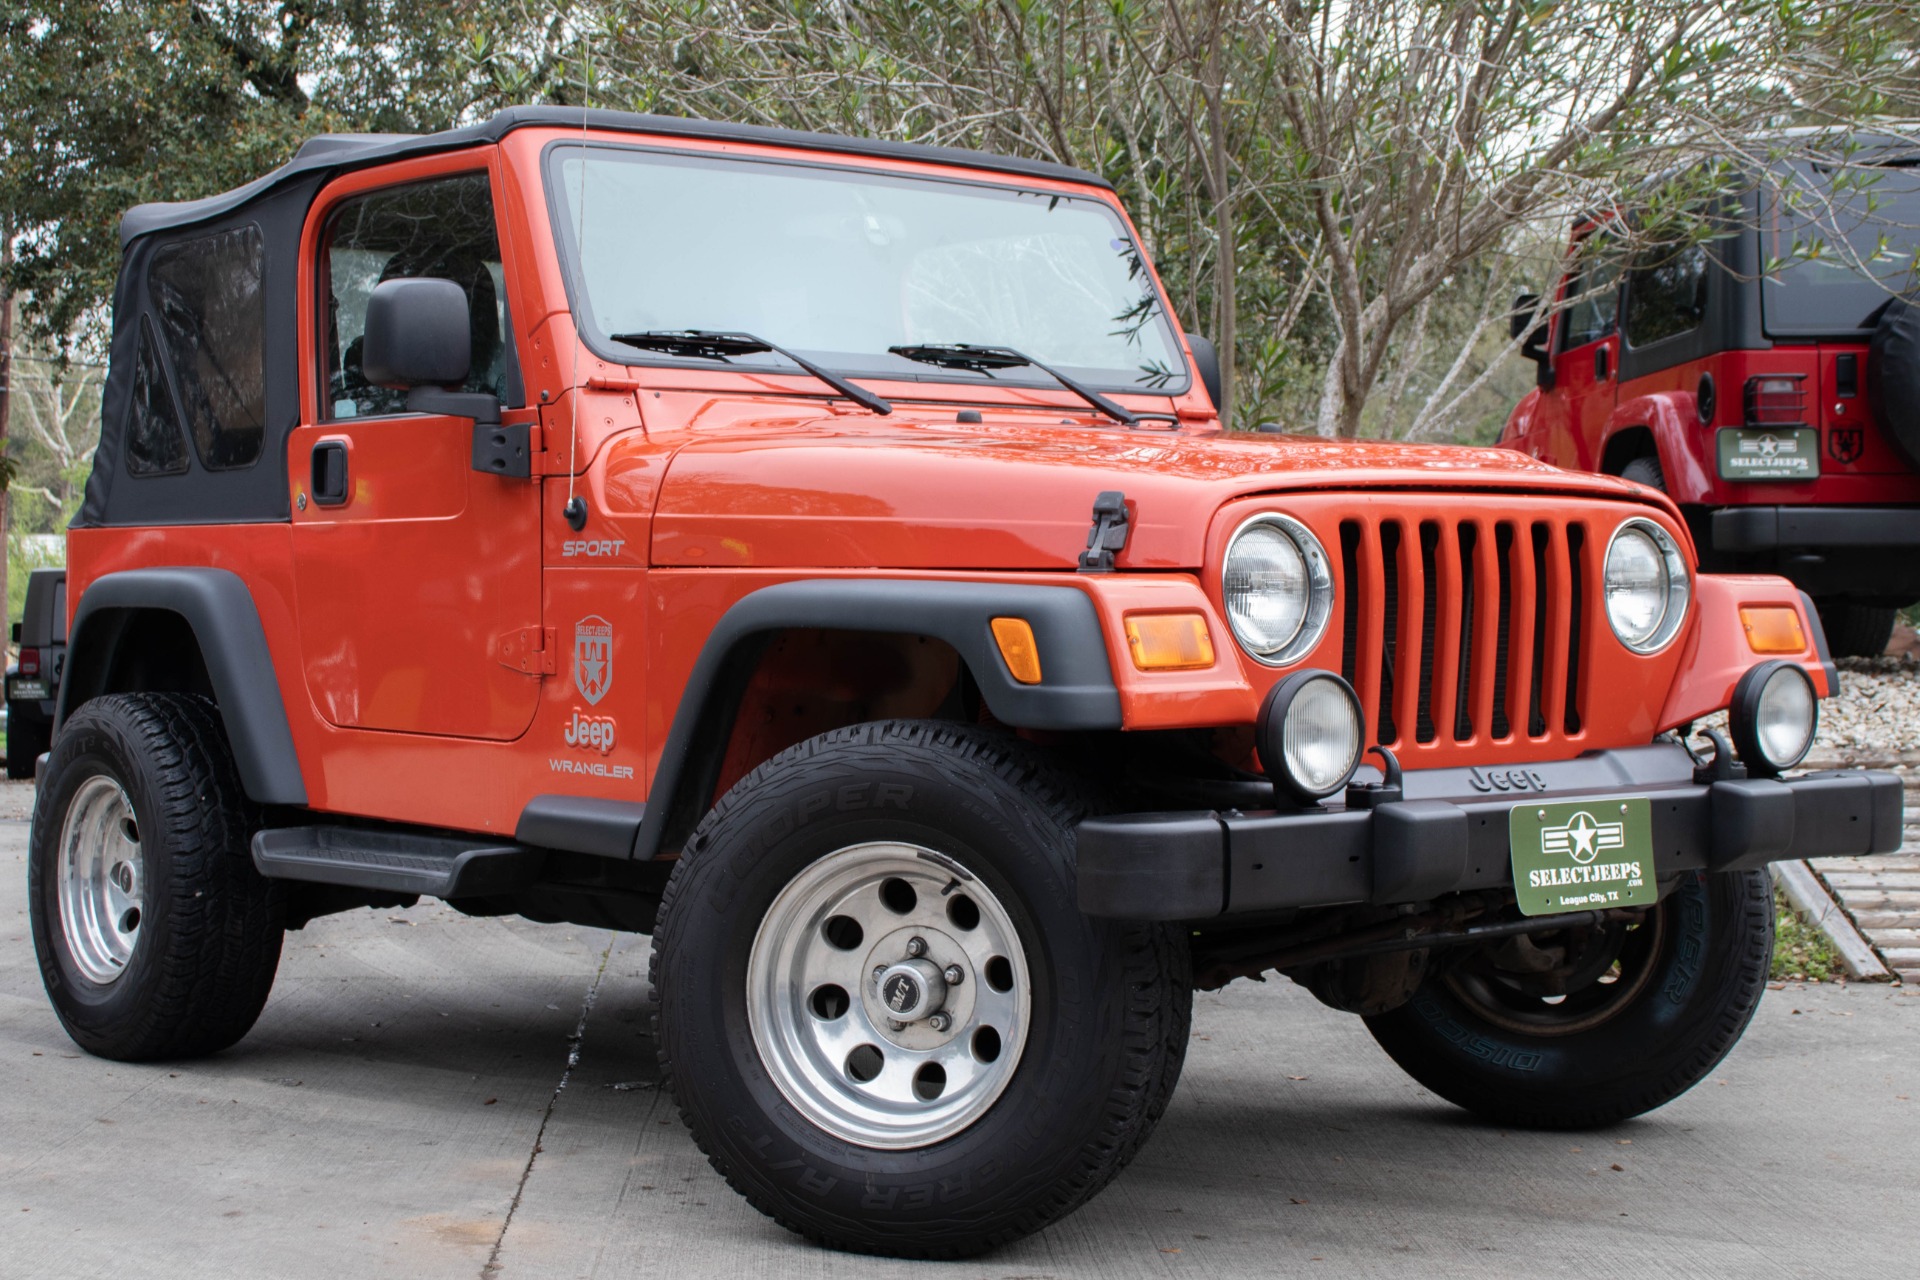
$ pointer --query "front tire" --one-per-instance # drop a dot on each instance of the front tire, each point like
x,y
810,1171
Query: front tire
x,y
156,936
926,870
1653,1016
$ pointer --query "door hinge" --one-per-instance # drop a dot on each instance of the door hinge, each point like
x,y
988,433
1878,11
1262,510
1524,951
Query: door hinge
x,y
529,649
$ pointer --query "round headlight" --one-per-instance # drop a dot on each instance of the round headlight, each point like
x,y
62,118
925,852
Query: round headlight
x,y
1773,717
1278,588
1310,734
1647,586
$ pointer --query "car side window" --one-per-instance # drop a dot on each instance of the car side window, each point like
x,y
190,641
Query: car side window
x,y
1667,298
208,302
442,228
1597,292
155,444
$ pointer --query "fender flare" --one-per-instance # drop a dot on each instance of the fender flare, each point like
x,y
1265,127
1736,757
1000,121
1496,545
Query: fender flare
x,y
1671,418
1077,691
219,610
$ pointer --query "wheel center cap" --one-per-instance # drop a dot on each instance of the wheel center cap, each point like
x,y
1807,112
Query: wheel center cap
x,y
912,989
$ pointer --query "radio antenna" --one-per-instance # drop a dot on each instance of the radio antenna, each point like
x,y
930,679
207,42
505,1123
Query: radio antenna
x,y
576,508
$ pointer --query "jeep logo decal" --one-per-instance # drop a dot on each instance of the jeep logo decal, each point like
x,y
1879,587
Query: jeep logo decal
x,y
1506,780
593,657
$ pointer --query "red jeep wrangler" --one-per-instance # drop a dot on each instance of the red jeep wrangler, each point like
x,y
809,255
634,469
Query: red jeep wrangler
x,y
1780,410
824,556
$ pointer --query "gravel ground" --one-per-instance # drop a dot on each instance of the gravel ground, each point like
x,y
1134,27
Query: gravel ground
x,y
1877,712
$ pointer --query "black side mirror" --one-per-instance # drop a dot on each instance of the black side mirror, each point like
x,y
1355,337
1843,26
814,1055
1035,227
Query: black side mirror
x,y
1207,356
1535,347
419,337
16,633
1523,309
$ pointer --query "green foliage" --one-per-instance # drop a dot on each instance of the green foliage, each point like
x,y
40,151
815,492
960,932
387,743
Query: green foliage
x,y
1345,194
104,105
1800,952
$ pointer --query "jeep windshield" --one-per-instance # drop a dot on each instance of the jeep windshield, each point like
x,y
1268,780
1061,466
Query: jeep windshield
x,y
841,263
1850,239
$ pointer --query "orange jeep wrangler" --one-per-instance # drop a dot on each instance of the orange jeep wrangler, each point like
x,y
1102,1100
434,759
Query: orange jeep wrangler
x,y
824,555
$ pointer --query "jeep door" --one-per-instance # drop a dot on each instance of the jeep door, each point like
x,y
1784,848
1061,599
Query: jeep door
x,y
416,575
1573,413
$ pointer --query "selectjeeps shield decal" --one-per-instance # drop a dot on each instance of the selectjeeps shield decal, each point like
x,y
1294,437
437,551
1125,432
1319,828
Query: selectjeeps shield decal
x,y
593,657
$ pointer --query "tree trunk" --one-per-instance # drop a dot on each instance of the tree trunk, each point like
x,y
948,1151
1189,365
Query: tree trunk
x,y
6,398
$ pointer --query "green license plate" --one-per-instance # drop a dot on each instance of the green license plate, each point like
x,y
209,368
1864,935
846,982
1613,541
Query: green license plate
x,y
28,690
1582,855
1761,453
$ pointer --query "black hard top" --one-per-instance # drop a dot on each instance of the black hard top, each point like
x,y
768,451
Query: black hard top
x,y
346,151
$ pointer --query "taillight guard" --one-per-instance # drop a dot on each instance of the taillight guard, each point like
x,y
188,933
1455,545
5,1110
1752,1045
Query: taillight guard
x,y
1776,399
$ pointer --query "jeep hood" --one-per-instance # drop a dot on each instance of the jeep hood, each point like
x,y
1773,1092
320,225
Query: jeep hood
x,y
904,494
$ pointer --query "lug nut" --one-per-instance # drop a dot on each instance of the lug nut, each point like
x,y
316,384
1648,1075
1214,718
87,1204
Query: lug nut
x,y
895,1026
939,1021
953,975
879,970
916,947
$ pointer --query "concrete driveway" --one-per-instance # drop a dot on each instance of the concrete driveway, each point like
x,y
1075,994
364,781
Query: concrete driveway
x,y
406,1107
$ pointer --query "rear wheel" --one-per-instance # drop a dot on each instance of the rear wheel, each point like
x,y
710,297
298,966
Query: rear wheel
x,y
882,1013
1588,1027
1856,630
1646,470
155,935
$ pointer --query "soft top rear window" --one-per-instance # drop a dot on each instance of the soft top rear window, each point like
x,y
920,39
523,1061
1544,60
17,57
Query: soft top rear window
x,y
1848,238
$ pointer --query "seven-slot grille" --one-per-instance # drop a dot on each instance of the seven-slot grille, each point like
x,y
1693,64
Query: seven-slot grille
x,y
1464,629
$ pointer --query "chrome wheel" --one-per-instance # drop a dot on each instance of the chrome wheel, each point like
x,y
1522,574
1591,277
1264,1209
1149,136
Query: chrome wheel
x,y
100,878
888,995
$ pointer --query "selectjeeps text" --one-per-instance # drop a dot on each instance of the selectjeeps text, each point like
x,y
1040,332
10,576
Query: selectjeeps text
x,y
824,555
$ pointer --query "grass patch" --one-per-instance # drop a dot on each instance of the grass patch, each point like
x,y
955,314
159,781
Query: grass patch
x,y
1801,953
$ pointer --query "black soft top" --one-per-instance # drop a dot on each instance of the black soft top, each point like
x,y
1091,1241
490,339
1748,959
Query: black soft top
x,y
203,375
342,152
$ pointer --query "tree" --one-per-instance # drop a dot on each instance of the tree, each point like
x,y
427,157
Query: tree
x,y
106,105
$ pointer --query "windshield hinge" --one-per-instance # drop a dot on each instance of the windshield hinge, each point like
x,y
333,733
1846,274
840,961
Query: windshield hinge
x,y
528,650
1109,534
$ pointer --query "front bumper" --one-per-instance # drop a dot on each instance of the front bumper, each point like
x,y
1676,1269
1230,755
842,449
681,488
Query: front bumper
x,y
1450,834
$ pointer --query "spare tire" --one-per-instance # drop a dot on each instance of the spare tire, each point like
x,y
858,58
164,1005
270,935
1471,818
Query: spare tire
x,y
1893,378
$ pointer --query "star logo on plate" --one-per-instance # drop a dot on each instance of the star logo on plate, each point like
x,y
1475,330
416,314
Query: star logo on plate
x,y
1583,837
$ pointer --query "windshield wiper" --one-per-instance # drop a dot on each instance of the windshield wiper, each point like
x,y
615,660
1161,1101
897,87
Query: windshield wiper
x,y
716,344
965,355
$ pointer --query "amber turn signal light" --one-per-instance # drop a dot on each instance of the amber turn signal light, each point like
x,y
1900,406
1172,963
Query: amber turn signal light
x,y
1773,629
1169,641
1017,646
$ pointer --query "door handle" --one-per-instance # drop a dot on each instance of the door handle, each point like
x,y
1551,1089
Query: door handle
x,y
329,479
1601,363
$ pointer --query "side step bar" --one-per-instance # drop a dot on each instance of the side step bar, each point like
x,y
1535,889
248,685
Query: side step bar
x,y
394,861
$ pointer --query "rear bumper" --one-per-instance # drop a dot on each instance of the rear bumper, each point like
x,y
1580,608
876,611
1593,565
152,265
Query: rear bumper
x,y
1740,529
1450,834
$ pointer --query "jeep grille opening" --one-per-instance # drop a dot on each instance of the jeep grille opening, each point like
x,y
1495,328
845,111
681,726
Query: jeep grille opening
x,y
1467,626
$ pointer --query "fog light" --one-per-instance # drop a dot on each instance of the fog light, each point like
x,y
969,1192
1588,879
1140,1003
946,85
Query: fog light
x,y
1773,717
1310,735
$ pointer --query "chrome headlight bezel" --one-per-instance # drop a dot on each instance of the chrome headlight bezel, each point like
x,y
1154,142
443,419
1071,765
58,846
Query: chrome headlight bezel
x,y
1679,596
1318,611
